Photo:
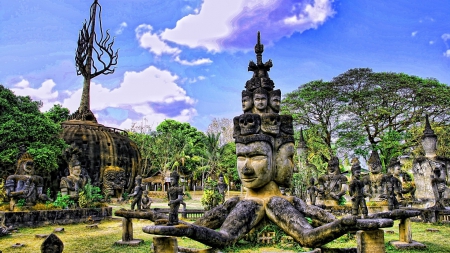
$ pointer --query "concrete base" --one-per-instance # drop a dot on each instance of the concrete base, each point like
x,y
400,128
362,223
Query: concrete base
x,y
134,242
405,245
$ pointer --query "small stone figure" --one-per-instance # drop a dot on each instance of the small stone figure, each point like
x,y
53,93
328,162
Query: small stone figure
x,y
438,184
333,185
114,180
373,186
25,184
222,187
137,194
357,192
260,101
392,185
146,201
175,196
312,190
247,101
75,182
52,244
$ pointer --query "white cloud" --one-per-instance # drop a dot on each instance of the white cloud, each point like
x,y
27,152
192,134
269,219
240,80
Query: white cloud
x,y
445,36
193,63
153,41
431,42
43,93
122,26
414,33
447,53
226,24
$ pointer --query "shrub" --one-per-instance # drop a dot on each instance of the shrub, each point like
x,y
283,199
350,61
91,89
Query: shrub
x,y
211,196
90,196
63,202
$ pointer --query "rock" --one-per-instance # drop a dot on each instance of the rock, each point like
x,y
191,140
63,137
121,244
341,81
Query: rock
x,y
17,245
433,230
92,226
41,236
52,244
58,230
389,231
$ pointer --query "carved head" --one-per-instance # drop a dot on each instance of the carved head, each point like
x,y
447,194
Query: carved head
x,y
221,178
138,180
75,166
114,177
260,97
254,163
174,177
249,123
333,166
25,165
270,123
394,167
247,101
275,100
284,163
374,163
356,170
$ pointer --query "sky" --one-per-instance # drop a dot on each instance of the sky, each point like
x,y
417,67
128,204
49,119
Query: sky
x,y
187,59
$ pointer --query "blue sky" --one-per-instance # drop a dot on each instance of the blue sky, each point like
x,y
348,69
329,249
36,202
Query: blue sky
x,y
187,59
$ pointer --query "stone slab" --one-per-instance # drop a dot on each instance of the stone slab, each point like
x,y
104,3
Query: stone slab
x,y
41,235
17,245
371,241
405,245
58,230
191,250
134,242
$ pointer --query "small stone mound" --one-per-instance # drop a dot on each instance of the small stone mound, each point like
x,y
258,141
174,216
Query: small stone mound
x,y
41,235
432,230
93,226
52,244
58,230
17,245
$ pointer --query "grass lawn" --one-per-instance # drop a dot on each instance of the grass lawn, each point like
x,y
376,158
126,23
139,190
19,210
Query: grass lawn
x,y
78,238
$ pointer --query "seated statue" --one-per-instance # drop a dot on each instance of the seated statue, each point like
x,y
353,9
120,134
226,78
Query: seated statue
x,y
146,201
333,185
312,191
373,187
73,184
25,184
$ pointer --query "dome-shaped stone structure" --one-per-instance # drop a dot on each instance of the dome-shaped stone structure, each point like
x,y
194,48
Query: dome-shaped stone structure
x,y
102,147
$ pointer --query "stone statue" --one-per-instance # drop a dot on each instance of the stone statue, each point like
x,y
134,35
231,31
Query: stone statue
x,y
439,187
114,180
374,188
25,184
137,194
424,169
146,201
274,101
357,192
247,101
222,187
175,196
333,185
262,175
260,97
75,182
312,190
392,185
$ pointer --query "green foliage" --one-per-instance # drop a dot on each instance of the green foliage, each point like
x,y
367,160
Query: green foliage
x,y
20,202
342,201
89,196
211,196
3,196
24,125
57,114
63,202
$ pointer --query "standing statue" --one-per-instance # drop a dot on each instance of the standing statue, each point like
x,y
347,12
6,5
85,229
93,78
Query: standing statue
x,y
262,171
137,194
392,185
75,182
175,196
146,201
374,187
25,184
439,187
222,187
333,185
312,190
357,192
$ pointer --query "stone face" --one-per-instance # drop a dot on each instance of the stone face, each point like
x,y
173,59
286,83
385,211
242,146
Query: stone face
x,y
52,244
370,241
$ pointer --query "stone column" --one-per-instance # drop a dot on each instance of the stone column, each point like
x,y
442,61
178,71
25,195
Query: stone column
x,y
127,229
404,229
371,241
165,244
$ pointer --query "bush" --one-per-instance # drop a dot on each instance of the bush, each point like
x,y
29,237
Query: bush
x,y
63,202
90,196
211,196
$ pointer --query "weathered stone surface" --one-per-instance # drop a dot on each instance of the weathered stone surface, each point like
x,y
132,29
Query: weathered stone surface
x,y
165,244
433,230
134,242
92,226
52,244
405,231
410,245
58,230
370,241
190,250
18,245
41,235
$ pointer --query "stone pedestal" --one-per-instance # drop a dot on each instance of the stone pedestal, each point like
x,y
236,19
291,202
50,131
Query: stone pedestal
x,y
165,244
405,241
371,241
127,234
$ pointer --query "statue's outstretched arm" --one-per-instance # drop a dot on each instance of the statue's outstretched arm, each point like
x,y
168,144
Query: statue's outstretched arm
x,y
312,211
215,217
293,223
239,222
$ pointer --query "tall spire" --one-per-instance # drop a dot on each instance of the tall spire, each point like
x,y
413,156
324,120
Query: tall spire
x,y
428,131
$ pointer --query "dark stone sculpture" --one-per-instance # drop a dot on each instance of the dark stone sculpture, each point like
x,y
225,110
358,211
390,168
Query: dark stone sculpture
x,y
137,194
312,190
25,184
392,185
374,186
52,244
114,181
357,192
146,201
175,196
333,185
439,187
222,187
262,174
75,182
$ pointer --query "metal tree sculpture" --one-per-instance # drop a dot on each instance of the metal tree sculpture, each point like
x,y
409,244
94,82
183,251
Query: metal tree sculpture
x,y
89,43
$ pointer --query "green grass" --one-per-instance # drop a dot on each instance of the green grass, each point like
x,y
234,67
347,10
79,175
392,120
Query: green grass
x,y
78,238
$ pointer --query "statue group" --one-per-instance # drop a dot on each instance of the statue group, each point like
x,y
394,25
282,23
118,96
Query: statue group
x,y
265,148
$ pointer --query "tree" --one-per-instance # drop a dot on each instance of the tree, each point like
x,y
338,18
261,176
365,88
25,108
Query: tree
x,y
223,126
141,134
23,125
58,113
89,44
213,153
